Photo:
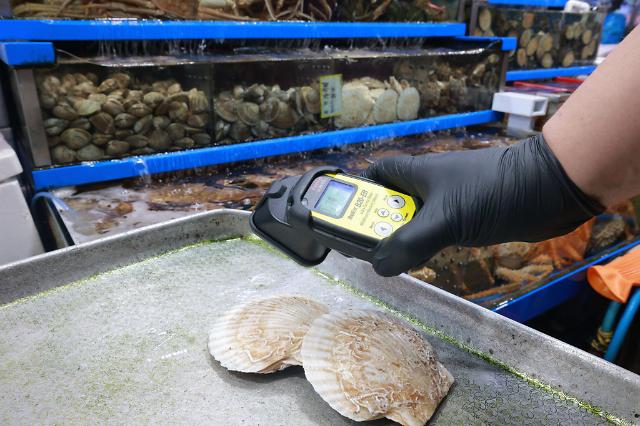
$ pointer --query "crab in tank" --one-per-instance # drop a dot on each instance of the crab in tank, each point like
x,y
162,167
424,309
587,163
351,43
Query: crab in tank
x,y
393,10
226,10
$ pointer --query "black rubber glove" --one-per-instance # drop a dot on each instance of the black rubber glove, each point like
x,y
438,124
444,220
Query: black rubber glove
x,y
478,198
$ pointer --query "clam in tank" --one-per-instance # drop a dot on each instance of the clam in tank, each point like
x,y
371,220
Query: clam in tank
x,y
260,111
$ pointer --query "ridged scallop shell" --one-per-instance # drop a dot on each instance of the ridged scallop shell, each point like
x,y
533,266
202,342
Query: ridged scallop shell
x,y
408,104
357,104
368,365
385,108
265,335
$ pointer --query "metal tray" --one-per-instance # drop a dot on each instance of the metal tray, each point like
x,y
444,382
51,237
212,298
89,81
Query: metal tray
x,y
115,331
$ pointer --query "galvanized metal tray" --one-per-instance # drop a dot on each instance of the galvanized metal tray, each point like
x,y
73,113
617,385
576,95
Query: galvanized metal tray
x,y
115,331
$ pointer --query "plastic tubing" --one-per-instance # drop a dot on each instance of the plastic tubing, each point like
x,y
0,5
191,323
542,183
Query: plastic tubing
x,y
48,195
623,326
610,316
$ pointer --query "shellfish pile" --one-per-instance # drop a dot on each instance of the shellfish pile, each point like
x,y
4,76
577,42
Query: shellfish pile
x,y
260,111
445,88
545,38
87,119
365,364
368,101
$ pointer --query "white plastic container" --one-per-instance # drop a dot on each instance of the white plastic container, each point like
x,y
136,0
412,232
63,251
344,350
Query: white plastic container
x,y
19,237
522,109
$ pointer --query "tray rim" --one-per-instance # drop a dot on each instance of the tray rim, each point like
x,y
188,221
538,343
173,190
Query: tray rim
x,y
574,374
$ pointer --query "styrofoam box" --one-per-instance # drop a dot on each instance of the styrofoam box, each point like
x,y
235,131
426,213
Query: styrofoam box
x,y
19,237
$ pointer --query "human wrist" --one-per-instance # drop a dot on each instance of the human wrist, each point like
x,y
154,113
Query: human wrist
x,y
580,173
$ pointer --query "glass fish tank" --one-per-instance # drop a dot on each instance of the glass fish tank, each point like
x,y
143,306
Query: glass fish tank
x,y
286,94
580,37
546,38
144,98
485,275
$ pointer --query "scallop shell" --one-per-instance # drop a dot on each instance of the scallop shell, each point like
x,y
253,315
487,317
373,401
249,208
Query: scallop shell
x,y
357,104
311,98
264,335
408,104
385,108
368,365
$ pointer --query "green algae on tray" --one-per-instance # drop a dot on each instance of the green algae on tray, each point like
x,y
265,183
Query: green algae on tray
x,y
435,332
485,357
138,334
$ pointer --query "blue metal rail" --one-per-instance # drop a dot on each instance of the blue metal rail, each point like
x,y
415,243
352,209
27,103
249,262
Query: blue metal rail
x,y
508,43
19,53
84,173
133,29
541,74
557,291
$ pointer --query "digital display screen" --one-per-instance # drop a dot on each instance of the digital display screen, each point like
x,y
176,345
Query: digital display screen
x,y
335,199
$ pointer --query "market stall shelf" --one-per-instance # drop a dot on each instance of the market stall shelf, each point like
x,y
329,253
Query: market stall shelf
x,y
127,29
543,74
104,108
158,163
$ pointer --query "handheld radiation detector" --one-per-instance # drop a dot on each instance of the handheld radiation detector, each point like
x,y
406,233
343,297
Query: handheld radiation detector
x,y
306,216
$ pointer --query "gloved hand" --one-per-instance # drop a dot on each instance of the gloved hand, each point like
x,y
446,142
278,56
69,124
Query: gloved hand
x,y
478,198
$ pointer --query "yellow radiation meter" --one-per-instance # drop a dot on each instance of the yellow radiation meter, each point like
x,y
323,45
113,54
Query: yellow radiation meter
x,y
306,216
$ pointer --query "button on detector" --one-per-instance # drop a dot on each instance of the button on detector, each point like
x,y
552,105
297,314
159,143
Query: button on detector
x,y
397,217
395,202
383,212
383,229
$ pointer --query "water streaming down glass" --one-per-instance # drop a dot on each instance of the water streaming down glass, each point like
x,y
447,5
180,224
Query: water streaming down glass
x,y
142,170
